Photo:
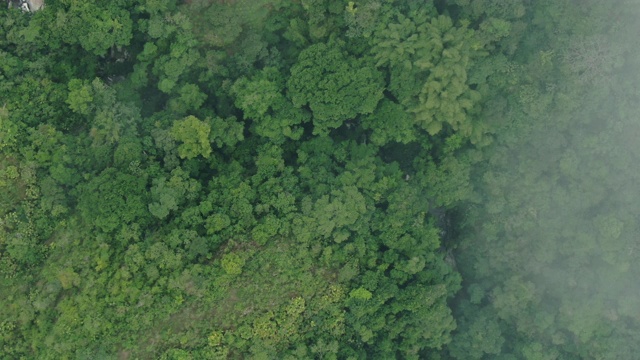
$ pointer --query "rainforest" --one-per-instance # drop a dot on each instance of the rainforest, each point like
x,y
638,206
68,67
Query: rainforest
x,y
320,179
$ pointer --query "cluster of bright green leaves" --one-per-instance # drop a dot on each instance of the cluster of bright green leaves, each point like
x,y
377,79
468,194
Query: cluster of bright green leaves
x,y
428,57
194,135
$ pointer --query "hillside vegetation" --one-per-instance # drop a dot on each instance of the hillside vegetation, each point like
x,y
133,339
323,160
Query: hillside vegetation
x,y
320,179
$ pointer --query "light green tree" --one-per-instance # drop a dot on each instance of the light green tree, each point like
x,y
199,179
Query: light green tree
x,y
194,135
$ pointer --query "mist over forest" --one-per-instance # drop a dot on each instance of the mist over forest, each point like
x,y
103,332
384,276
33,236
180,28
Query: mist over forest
x,y
320,179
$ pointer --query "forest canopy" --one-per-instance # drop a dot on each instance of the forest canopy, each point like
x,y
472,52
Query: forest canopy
x,y
320,179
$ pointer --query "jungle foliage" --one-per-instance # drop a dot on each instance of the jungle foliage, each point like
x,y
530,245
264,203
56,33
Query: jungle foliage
x,y
320,179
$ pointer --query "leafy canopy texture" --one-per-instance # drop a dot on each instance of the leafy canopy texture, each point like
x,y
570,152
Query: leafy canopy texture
x,y
336,86
320,179
194,135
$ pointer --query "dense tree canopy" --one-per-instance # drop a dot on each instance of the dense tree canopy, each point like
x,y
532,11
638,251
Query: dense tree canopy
x,y
320,179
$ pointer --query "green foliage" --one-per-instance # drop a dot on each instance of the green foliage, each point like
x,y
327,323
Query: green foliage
x,y
274,179
360,293
194,135
547,237
168,193
122,200
95,28
190,99
449,182
80,97
390,122
335,86
429,58
8,132
227,132
232,264
98,103
477,339
262,100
